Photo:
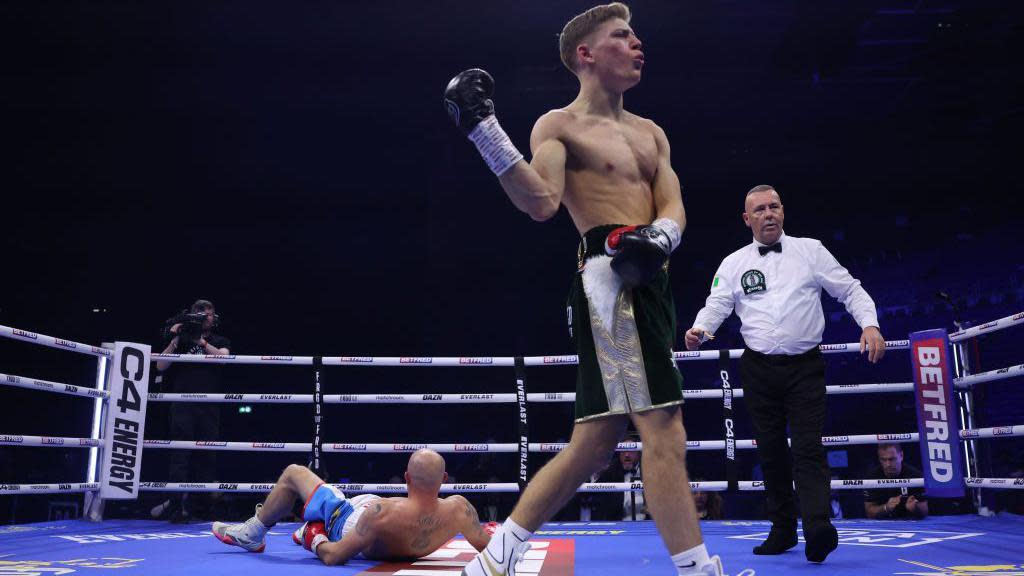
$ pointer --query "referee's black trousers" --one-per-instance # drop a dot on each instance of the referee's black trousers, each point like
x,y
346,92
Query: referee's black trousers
x,y
781,391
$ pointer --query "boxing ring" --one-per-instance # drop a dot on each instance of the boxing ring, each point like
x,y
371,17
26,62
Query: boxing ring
x,y
955,545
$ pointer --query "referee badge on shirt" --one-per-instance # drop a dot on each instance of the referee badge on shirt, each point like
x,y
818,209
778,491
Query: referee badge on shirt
x,y
753,282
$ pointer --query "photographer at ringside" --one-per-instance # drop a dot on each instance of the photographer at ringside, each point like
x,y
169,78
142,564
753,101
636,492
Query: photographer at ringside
x,y
191,332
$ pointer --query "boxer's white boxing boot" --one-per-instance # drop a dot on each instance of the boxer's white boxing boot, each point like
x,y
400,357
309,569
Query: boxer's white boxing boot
x,y
248,535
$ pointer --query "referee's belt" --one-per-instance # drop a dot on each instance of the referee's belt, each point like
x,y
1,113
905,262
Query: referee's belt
x,y
783,359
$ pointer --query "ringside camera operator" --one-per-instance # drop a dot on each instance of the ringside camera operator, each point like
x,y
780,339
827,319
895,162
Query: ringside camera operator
x,y
191,332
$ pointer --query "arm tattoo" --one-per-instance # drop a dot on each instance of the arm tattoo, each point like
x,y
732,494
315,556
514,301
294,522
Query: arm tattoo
x,y
369,517
473,517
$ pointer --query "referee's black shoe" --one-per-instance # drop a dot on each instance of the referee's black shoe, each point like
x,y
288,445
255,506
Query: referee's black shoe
x,y
821,539
780,539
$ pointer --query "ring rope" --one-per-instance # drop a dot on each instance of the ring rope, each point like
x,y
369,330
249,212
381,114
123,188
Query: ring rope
x,y
47,386
48,441
53,342
1000,324
538,447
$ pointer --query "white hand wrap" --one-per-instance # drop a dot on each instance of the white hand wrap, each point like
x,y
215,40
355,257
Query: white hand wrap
x,y
318,540
495,146
671,229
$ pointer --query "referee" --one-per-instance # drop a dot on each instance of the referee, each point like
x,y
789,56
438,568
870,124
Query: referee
x,y
775,285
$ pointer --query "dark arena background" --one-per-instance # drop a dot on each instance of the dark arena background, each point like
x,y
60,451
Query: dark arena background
x,y
293,163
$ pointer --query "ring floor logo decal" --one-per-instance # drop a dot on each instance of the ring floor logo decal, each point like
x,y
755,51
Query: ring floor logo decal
x,y
59,567
883,538
545,558
976,570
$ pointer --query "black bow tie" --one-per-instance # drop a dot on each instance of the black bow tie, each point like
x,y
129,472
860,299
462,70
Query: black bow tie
x,y
777,247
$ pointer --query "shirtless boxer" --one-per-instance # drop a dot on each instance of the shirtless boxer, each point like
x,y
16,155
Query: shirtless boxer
x,y
611,170
338,528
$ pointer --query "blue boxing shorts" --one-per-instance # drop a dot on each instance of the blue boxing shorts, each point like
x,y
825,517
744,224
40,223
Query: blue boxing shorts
x,y
330,506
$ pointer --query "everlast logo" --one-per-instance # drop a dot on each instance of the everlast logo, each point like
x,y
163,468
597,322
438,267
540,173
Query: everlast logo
x,y
476,396
277,358
427,397
228,487
357,359
262,487
469,487
893,482
472,447
350,447
65,343
270,445
853,482
415,360
23,334
559,359
476,360
275,396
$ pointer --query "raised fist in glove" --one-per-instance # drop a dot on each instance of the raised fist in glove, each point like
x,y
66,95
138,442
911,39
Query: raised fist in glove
x,y
638,252
468,102
468,98
313,535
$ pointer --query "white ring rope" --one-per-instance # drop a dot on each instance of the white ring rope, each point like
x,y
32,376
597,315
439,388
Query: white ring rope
x,y
49,488
46,385
709,486
471,398
511,487
1000,374
993,326
51,342
50,441
466,361
538,447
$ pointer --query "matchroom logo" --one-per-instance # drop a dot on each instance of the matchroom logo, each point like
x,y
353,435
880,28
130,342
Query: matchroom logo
x,y
545,558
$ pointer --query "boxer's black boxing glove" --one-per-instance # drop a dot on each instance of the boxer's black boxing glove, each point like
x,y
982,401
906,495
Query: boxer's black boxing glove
x,y
468,98
641,252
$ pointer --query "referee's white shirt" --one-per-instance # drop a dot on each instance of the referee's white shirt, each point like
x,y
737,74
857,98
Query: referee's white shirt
x,y
778,296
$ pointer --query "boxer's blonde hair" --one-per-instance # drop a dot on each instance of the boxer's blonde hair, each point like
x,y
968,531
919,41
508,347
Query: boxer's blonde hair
x,y
583,24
